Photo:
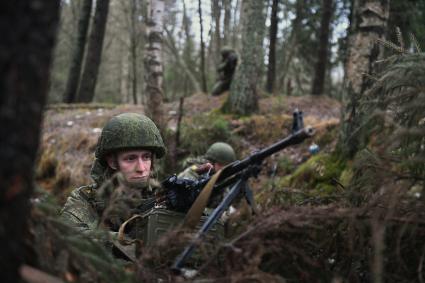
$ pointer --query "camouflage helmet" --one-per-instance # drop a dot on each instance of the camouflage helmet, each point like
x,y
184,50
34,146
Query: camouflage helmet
x,y
221,152
127,131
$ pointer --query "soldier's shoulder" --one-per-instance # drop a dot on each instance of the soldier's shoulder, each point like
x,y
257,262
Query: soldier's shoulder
x,y
189,173
194,161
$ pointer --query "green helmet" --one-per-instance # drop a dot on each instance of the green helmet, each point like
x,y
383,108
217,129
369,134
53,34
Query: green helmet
x,y
221,152
129,130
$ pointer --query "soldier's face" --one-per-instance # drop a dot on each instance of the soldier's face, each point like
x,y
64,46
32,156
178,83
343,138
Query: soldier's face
x,y
217,166
135,165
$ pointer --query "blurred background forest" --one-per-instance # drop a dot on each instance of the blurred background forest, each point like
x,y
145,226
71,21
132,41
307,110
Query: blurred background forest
x,y
302,45
351,212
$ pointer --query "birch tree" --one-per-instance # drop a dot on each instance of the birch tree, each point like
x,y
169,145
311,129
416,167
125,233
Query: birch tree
x,y
153,61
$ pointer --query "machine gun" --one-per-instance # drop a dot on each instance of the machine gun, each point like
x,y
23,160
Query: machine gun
x,y
236,175
182,193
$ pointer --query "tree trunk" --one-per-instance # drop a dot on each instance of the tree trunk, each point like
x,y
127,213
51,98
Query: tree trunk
x,y
291,47
271,68
187,61
323,51
94,52
237,26
203,75
133,49
181,62
216,13
243,98
368,23
226,21
28,30
260,35
153,62
78,53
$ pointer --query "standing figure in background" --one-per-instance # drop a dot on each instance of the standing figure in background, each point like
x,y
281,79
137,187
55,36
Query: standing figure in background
x,y
225,71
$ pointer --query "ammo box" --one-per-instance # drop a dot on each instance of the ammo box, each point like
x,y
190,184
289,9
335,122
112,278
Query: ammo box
x,y
160,220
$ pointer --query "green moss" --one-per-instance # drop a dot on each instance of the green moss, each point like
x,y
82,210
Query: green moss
x,y
346,176
318,173
285,165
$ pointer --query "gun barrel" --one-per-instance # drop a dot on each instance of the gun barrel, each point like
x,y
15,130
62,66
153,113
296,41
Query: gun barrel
x,y
259,156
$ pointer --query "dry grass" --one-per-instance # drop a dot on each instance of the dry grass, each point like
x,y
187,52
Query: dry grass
x,y
70,133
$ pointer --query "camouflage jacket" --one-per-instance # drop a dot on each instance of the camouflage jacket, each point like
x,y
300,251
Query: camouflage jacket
x,y
192,174
86,210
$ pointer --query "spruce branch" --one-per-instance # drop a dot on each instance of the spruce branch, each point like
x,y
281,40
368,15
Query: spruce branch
x,y
391,45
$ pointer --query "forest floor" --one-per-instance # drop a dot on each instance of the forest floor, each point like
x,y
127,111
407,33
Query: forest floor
x,y
315,223
70,132
323,217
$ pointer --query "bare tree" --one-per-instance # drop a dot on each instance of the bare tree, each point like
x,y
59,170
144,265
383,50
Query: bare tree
x,y
203,75
271,68
368,24
323,51
216,15
291,46
227,6
25,57
243,98
94,52
153,61
171,45
71,88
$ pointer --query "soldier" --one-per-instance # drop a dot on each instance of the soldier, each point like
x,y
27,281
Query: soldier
x,y
217,156
122,174
225,71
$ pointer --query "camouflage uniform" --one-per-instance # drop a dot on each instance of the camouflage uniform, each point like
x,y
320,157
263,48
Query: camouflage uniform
x,y
226,69
219,152
106,200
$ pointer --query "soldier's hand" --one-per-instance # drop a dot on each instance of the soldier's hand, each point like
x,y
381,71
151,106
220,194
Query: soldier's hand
x,y
204,168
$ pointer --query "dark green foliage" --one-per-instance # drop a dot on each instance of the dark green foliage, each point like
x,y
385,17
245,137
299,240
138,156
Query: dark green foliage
x,y
323,244
62,252
200,131
315,181
393,119
409,17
